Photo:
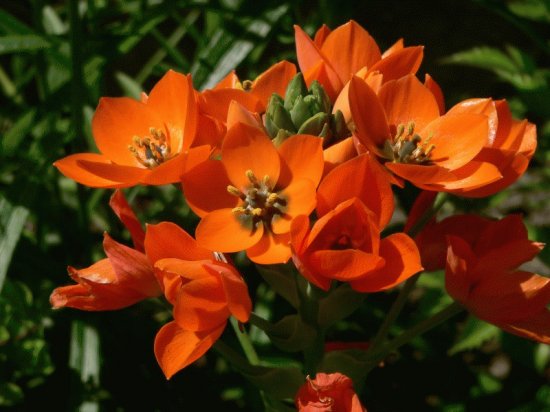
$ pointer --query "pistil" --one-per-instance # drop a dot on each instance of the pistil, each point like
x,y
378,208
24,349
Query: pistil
x,y
260,203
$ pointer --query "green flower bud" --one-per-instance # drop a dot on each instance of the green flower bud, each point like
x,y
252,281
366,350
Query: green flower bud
x,y
300,112
321,96
277,117
314,125
297,87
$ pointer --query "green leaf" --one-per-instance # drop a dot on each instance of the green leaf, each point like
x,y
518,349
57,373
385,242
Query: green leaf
x,y
278,383
22,43
536,10
291,334
475,333
129,86
283,282
542,357
12,221
17,133
10,24
85,352
10,394
339,304
485,58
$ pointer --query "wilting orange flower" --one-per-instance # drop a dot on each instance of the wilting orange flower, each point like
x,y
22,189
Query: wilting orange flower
x,y
248,199
328,393
402,126
481,274
334,57
125,277
203,291
355,202
510,146
215,104
141,142
122,279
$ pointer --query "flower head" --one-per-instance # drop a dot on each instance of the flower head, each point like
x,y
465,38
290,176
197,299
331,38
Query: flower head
x,y
140,142
248,199
328,393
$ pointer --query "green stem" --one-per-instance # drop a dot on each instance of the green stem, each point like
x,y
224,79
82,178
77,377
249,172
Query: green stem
x,y
408,287
234,358
381,353
309,312
246,343
260,322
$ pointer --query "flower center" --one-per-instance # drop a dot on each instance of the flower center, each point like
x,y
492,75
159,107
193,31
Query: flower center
x,y
152,150
408,147
260,202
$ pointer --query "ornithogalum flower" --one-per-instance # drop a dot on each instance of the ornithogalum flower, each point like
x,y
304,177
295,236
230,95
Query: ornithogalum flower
x,y
331,392
402,126
354,203
482,274
203,291
332,58
248,199
125,277
140,142
510,146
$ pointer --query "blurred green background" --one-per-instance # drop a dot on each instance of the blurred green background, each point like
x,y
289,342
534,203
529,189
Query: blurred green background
x,y
58,58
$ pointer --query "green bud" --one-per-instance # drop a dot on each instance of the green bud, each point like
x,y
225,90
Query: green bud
x,y
314,104
280,137
297,87
278,117
300,112
322,97
314,125
325,132
339,127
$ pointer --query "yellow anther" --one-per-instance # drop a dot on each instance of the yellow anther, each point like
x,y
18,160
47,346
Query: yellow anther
x,y
234,191
250,175
410,128
400,130
429,150
271,199
257,211
247,85
239,210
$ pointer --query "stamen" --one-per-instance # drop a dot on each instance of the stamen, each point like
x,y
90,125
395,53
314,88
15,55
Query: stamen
x,y
235,192
150,151
407,146
250,175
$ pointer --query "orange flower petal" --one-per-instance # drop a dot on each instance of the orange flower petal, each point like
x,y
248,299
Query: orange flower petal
x,y
228,82
116,121
247,148
168,172
175,348
216,103
237,113
473,175
349,48
168,240
321,34
70,166
205,188
236,291
421,176
173,100
407,100
362,178
338,154
535,327
221,230
303,154
402,261
368,115
433,87
457,138
345,265
273,80
124,212
128,175
400,63
300,198
270,249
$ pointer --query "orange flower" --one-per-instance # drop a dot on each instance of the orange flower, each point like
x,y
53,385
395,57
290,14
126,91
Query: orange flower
x,y
402,126
248,199
125,277
122,279
328,393
141,142
344,244
481,274
510,146
334,57
204,293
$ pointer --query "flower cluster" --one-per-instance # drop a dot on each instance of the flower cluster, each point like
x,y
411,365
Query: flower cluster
x,y
301,165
